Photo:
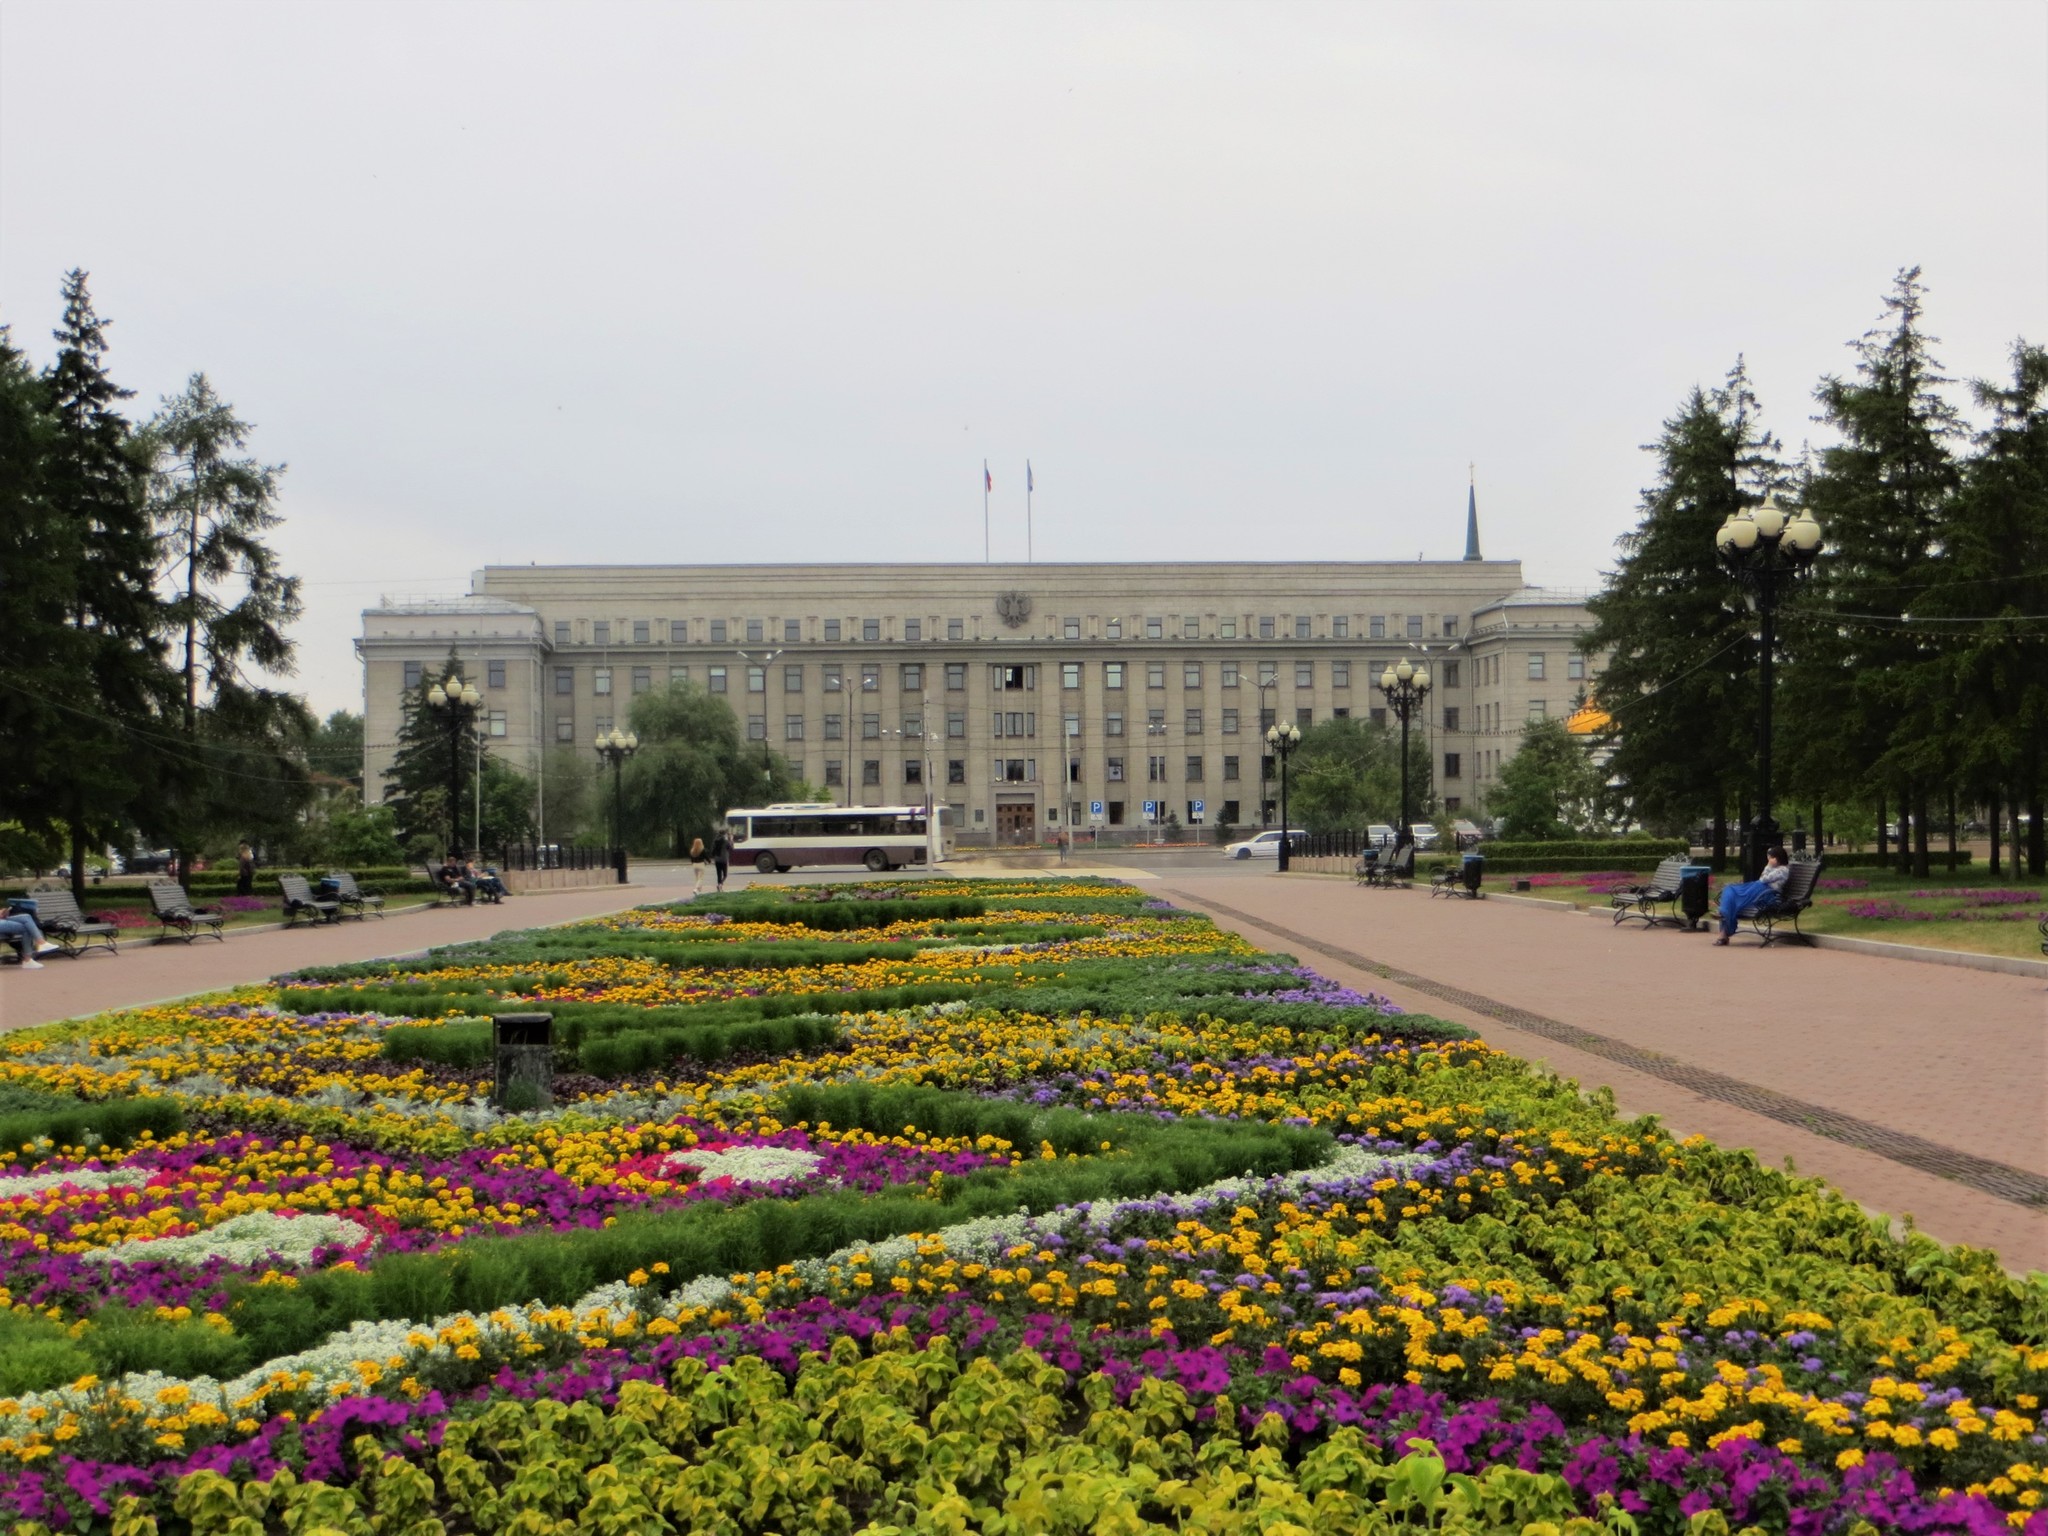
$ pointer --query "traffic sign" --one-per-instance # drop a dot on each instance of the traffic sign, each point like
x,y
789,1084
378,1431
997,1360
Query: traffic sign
x,y
1095,811
1195,811
1152,808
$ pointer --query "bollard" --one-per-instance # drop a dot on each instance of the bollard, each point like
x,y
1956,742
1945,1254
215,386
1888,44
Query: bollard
x,y
526,1061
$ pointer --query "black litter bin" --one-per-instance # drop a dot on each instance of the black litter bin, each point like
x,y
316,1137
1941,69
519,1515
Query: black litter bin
x,y
525,1078
1692,893
1472,869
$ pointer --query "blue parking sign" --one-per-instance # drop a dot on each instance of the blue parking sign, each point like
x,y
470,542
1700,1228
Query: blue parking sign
x,y
1094,807
1197,808
1151,807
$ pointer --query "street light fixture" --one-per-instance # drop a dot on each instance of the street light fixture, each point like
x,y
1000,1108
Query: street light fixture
x,y
1155,736
1274,685
1406,685
455,702
1283,739
614,747
1766,550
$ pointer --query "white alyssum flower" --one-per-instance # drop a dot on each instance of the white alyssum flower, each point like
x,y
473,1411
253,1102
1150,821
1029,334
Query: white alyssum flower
x,y
243,1240
747,1165
17,1185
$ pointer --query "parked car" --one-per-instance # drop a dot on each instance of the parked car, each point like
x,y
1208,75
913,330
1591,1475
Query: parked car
x,y
1424,835
1263,845
1468,834
1381,835
154,862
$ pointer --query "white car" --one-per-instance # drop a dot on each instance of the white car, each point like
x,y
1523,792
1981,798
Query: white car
x,y
1265,845
1380,835
1424,835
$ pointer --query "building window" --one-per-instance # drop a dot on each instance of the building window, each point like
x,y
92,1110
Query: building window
x,y
678,631
1155,720
871,770
715,677
1113,724
1268,718
1155,769
678,674
601,681
835,677
1450,671
757,679
1112,674
913,724
1414,626
956,629
956,724
1194,770
1269,673
1230,722
1227,630
1072,726
1575,667
1018,770
565,727
1340,714
1340,627
792,631
1340,674
642,631
1230,768
1191,628
1538,709
1304,717
565,680
1013,679
1116,770
601,632
643,679
1113,630
871,677
414,671
1155,629
494,674
913,677
1193,724
1535,666
1303,630
792,679
832,630
1450,629
496,722
1376,717
913,769
871,727
956,676
792,727
1070,674
1071,629
1451,765
757,727
1191,674
835,773
913,629
1266,628
718,632
1450,717
1155,674
1229,674
756,631
1451,805
1304,674
561,631
835,727
956,770
1376,627
870,631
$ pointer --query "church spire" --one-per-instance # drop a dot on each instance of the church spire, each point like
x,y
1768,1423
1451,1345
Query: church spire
x,y
1472,518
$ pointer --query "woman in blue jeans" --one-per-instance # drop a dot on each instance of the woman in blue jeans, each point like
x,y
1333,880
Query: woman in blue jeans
x,y
19,928
1735,899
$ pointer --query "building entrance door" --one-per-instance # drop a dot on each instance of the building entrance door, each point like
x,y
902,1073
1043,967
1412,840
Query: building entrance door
x,y
1015,821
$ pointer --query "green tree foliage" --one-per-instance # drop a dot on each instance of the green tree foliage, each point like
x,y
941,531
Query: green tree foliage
x,y
439,753
570,808
1346,775
1549,788
691,768
334,748
1680,679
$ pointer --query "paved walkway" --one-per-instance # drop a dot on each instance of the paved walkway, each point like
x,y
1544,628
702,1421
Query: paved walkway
x,y
146,972
1918,1090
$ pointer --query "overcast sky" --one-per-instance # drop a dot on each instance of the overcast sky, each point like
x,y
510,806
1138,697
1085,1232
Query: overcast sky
x,y
593,282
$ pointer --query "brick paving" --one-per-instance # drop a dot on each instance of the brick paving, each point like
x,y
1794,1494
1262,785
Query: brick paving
x,y
1920,1091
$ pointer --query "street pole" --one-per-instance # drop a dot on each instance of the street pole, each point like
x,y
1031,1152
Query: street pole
x,y
615,747
456,701
1405,685
1283,740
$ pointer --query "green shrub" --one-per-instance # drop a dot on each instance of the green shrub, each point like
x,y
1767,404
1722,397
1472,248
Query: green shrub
x,y
37,1354
69,1123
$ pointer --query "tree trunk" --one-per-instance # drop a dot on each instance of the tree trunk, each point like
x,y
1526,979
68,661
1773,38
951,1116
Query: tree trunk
x,y
2037,836
1820,826
2012,809
1951,831
1883,835
1720,859
1905,831
1920,865
78,862
1997,827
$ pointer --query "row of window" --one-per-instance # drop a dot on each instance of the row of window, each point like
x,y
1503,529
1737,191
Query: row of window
x,y
869,631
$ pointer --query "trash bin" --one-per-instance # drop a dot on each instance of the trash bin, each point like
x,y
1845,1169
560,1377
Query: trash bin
x,y
1692,893
526,1061
1472,869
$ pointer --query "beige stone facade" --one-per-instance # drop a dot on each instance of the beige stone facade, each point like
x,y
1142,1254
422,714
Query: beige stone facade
x,y
1027,693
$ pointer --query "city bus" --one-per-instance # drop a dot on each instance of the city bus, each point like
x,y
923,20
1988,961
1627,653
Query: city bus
x,y
778,837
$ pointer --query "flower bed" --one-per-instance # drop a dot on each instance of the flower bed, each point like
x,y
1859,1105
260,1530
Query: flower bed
x,y
1133,1228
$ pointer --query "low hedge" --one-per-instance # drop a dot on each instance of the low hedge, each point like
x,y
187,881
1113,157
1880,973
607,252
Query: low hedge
x,y
30,1134
1651,848
1629,864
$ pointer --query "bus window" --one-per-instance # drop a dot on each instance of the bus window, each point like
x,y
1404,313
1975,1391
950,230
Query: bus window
x,y
736,829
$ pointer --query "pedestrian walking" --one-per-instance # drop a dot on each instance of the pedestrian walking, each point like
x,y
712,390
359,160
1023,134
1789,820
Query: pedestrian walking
x,y
721,855
245,870
698,856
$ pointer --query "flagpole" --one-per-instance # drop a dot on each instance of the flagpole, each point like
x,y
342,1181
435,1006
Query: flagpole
x,y
985,484
1027,512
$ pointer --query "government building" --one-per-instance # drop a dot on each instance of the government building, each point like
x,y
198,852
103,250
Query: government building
x,y
1022,696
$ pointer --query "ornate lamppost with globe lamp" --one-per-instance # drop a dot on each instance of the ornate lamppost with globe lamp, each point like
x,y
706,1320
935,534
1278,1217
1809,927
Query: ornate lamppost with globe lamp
x,y
614,747
455,703
1405,685
1766,549
1283,739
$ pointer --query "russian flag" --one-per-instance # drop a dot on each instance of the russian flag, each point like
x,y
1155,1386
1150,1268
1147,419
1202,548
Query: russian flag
x,y
988,481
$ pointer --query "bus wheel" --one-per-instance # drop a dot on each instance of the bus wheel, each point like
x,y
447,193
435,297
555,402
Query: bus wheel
x,y
876,860
765,862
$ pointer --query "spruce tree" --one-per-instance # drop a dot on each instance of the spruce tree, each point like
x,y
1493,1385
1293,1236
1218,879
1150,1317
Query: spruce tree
x,y
1680,677
34,611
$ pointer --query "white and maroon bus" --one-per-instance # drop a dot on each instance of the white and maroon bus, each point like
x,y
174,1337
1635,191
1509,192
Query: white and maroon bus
x,y
779,837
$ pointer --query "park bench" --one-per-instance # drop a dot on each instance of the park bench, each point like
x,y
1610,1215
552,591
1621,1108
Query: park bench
x,y
354,900
1368,862
1763,917
1460,877
2044,935
299,901
1660,890
179,917
58,915
1395,871
444,895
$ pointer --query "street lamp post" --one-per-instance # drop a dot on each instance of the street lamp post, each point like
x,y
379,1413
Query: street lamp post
x,y
455,702
1155,736
1283,739
1275,686
615,747
1766,550
1406,686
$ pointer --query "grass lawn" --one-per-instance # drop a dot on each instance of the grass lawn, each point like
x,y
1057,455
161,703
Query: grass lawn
x,y
1969,910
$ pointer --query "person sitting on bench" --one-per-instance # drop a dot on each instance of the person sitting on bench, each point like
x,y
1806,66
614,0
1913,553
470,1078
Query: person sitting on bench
x,y
18,927
455,881
487,883
1762,891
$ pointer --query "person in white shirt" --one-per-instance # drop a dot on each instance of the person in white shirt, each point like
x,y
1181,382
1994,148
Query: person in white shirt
x,y
1737,899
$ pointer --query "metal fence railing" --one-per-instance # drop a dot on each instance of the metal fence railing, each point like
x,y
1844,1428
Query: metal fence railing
x,y
525,856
